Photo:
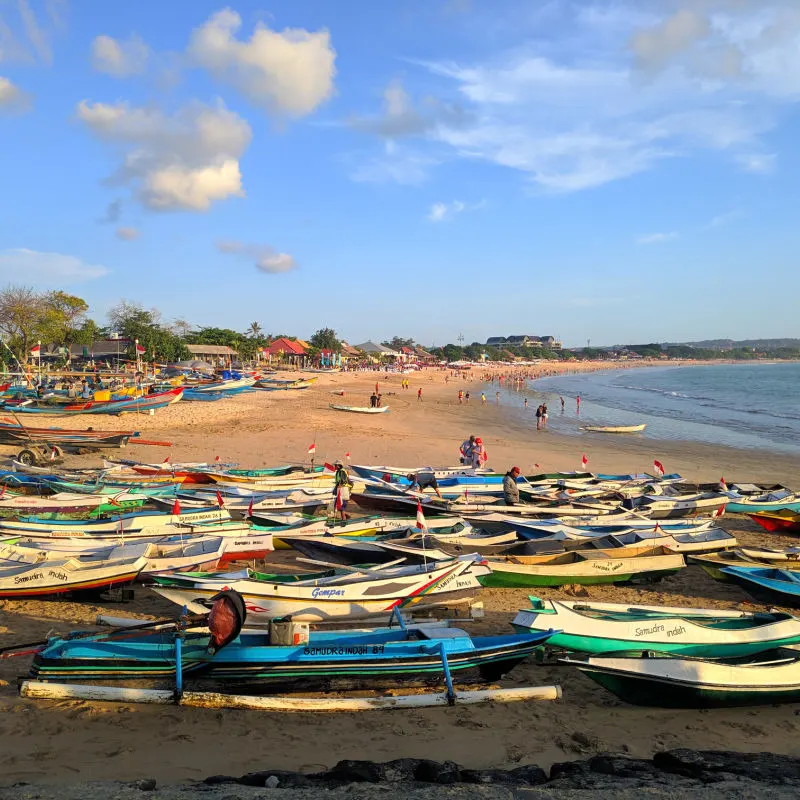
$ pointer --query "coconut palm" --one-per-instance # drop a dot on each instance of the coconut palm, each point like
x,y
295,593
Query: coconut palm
x,y
254,330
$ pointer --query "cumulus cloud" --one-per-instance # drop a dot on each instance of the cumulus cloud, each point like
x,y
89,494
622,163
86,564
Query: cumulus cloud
x,y
288,73
400,118
120,57
655,45
265,257
46,269
656,238
12,98
128,234
185,161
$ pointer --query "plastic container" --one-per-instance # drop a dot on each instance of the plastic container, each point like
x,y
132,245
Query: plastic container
x,y
285,633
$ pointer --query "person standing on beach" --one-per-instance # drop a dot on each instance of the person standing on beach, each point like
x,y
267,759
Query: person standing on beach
x,y
466,398
544,415
578,403
467,446
373,400
341,491
525,404
479,454
539,418
562,404
483,398
510,488
460,396
419,394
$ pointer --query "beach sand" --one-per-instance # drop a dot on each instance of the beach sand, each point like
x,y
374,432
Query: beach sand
x,y
78,741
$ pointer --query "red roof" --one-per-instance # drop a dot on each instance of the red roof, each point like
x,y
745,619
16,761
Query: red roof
x,y
284,345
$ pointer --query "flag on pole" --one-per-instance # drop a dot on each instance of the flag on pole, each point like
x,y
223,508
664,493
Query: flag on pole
x,y
659,468
3,491
166,460
347,455
466,495
657,528
250,508
220,501
420,517
140,349
36,350
53,454
176,507
312,448
584,461
723,487
720,511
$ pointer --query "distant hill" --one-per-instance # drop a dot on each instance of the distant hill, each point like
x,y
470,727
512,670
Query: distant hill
x,y
730,344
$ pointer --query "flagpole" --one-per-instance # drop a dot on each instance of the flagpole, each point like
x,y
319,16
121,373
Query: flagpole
x,y
39,354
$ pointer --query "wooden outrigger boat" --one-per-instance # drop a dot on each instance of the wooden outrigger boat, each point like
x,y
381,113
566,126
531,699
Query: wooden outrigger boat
x,y
360,409
667,681
614,428
130,405
784,521
589,627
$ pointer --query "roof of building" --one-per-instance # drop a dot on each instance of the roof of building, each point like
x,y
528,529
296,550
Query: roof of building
x,y
376,349
284,345
210,350
101,348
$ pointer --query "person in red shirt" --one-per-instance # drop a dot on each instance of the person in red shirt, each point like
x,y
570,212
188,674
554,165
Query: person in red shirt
x,y
419,394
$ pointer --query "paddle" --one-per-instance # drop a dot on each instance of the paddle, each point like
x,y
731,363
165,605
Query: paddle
x,y
349,568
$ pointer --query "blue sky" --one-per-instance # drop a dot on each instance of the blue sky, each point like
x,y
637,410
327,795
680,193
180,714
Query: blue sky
x,y
619,170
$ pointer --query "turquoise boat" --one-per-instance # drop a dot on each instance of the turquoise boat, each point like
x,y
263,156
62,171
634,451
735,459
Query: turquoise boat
x,y
610,628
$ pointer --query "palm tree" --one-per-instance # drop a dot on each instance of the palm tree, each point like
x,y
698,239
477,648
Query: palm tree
x,y
254,330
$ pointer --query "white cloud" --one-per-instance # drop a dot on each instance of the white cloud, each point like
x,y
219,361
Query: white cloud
x,y
266,258
575,110
120,58
38,36
185,161
655,45
442,212
128,234
46,269
287,73
12,98
759,163
724,219
656,238
396,165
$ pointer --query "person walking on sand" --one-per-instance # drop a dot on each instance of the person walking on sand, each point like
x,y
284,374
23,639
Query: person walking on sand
x,y
467,446
341,490
373,400
562,404
483,398
497,397
539,418
510,488
419,394
479,454
460,396
466,398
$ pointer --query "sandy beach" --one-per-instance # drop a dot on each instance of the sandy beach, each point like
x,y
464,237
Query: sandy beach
x,y
78,741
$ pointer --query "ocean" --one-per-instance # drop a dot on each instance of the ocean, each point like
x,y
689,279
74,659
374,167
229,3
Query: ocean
x,y
740,405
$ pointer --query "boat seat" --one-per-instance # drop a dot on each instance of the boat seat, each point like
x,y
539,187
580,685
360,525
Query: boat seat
x,y
441,633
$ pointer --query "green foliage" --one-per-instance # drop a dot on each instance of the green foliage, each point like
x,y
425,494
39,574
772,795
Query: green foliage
x,y
396,342
133,322
326,339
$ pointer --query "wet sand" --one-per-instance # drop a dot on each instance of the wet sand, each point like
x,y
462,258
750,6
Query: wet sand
x,y
77,741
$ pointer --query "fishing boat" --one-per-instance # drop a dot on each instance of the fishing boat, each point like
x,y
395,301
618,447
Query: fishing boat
x,y
65,505
784,521
781,500
359,593
589,627
614,428
667,681
340,550
411,652
18,434
129,405
585,568
662,506
780,586
360,409
769,554
25,579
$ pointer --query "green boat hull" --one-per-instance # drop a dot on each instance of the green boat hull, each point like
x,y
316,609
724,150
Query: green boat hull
x,y
669,694
520,580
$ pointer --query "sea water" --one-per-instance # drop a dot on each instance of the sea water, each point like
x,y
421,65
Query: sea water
x,y
740,405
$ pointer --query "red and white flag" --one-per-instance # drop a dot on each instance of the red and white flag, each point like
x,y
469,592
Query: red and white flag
x,y
659,468
584,461
347,455
466,495
36,350
312,448
250,508
176,507
3,491
723,487
140,350
720,511
53,454
420,518
216,458
220,501
657,528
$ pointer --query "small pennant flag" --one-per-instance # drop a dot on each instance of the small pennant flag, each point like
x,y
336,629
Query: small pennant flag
x,y
720,511
466,495
347,455
312,448
220,501
176,507
659,468
250,508
329,467
657,528
3,491
53,454
216,458
420,517
584,461
723,487
36,350
166,460
140,349
537,465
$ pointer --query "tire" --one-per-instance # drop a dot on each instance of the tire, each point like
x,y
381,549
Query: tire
x,y
27,457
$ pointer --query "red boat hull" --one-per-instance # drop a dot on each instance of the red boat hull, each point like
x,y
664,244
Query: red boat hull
x,y
775,523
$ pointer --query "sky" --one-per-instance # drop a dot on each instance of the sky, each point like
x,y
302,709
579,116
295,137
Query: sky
x,y
613,171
